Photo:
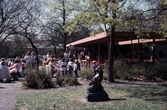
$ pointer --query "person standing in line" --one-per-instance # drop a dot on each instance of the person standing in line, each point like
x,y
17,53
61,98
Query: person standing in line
x,y
27,58
50,67
70,66
33,60
66,56
47,55
63,66
75,69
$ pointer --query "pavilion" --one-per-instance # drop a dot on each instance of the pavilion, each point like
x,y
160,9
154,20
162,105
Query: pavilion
x,y
125,42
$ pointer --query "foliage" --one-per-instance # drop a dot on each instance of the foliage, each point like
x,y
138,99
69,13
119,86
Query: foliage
x,y
38,80
131,71
157,72
105,73
86,73
140,71
125,97
139,16
121,70
66,81
137,71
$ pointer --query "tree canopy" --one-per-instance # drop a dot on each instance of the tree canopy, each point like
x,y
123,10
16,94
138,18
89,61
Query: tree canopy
x,y
139,16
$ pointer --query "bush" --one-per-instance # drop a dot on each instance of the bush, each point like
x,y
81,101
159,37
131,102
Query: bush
x,y
137,71
105,74
121,70
86,73
157,72
140,71
131,71
38,80
66,81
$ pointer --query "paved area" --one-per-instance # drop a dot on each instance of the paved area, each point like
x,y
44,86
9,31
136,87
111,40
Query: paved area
x,y
8,94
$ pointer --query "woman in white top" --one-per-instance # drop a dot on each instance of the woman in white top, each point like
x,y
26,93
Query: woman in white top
x,y
63,66
75,69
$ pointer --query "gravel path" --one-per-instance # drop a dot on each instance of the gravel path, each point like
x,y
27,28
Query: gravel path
x,y
10,91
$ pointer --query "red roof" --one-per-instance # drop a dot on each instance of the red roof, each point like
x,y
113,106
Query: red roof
x,y
88,39
121,38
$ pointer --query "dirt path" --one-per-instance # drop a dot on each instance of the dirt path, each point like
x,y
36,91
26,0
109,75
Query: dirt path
x,y
8,93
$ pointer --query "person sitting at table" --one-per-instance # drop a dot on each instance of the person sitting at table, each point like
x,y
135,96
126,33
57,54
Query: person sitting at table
x,y
4,72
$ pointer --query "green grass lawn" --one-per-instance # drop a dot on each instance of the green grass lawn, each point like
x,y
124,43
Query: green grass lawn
x,y
140,97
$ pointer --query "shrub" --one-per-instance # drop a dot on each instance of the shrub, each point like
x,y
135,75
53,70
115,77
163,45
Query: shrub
x,y
66,81
38,80
105,74
140,71
129,71
137,71
157,72
121,70
86,73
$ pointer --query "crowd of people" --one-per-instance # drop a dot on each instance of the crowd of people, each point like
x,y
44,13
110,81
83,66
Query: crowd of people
x,y
67,64
14,67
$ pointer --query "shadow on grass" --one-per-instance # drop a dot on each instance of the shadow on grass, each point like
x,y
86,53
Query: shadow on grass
x,y
147,92
110,99
139,83
116,99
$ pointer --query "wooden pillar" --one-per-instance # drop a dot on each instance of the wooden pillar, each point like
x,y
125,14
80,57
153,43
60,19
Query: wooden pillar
x,y
153,50
131,50
138,50
117,48
108,43
86,50
138,46
99,51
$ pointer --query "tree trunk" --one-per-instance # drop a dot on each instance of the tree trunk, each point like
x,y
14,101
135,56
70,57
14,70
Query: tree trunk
x,y
65,41
55,51
111,55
